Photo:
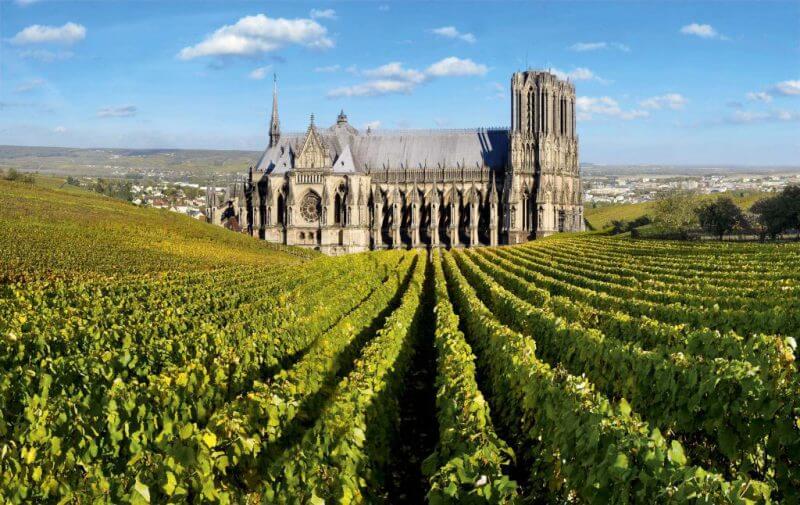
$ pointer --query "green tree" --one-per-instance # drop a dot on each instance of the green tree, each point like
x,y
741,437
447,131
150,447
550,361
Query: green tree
x,y
791,203
779,213
15,175
719,217
674,212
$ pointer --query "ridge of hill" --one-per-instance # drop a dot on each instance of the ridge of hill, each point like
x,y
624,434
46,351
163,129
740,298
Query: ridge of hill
x,y
48,229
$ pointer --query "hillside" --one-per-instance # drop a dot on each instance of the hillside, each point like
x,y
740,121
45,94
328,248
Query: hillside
x,y
409,378
601,216
104,162
46,229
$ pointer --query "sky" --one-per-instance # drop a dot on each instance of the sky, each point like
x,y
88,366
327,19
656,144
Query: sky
x,y
661,83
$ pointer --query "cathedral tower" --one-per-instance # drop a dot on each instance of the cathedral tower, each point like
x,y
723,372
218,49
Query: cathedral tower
x,y
543,178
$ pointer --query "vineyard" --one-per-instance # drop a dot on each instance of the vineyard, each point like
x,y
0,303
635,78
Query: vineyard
x,y
52,232
575,369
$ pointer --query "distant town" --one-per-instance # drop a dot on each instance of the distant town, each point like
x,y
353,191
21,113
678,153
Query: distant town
x,y
637,188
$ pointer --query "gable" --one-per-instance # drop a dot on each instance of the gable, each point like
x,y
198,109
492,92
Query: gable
x,y
313,154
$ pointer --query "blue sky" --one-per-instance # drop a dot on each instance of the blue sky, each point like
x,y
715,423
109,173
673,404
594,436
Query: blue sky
x,y
672,82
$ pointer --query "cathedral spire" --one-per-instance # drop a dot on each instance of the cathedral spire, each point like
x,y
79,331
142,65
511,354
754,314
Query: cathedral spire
x,y
274,124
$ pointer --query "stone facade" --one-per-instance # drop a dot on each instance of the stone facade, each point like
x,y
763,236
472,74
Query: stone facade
x,y
341,191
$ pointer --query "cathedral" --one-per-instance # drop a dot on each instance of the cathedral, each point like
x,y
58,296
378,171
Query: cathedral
x,y
340,190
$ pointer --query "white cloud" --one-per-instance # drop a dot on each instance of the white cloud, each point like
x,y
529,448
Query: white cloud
x,y
596,46
30,85
322,14
329,68
259,73
374,88
123,111
759,96
257,34
788,87
394,78
702,31
749,117
451,32
672,101
372,125
395,70
25,3
453,66
588,107
60,129
69,33
578,74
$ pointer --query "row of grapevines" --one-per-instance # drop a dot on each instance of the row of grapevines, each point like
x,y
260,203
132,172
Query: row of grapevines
x,y
625,274
579,444
634,273
108,427
774,355
236,445
689,395
341,457
775,320
608,284
130,342
57,319
719,260
470,460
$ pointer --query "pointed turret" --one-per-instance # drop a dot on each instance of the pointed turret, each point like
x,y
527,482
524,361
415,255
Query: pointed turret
x,y
274,124
473,195
326,198
492,191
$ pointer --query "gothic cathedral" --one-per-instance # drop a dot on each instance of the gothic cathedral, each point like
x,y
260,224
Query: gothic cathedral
x,y
339,190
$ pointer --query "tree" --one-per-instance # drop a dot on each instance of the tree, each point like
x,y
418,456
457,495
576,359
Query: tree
x,y
14,175
791,197
674,212
719,217
779,213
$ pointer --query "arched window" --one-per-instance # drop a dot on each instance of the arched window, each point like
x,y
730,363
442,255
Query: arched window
x,y
338,209
281,210
302,236
531,109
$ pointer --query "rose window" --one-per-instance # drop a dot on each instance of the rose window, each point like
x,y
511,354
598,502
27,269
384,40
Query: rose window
x,y
310,207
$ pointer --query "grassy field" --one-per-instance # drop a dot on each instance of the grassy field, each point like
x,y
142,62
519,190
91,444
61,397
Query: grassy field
x,y
601,216
54,229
